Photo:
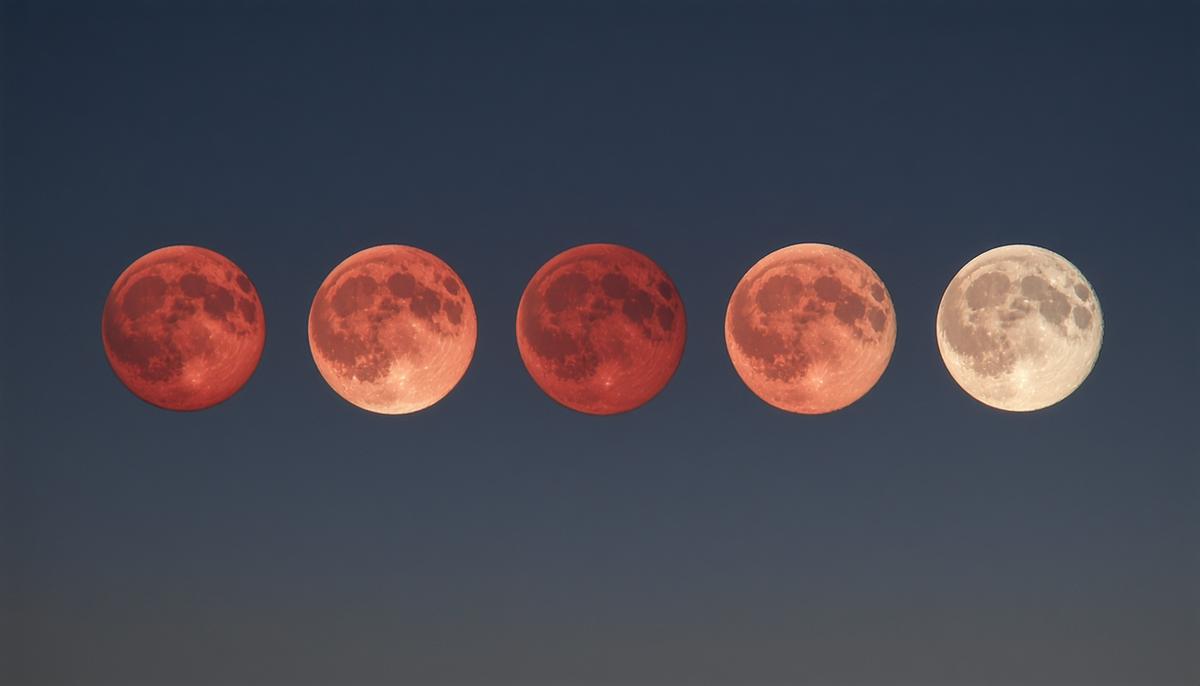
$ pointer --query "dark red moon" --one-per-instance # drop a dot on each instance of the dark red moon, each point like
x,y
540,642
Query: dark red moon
x,y
183,328
392,329
810,328
601,328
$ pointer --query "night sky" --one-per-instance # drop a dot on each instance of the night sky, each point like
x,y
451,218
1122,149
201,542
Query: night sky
x,y
288,537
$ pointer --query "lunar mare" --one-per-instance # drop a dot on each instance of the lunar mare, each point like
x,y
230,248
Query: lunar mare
x,y
183,328
1019,328
392,329
810,328
601,328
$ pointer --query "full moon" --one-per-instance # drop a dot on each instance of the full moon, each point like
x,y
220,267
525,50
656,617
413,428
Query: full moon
x,y
183,328
1019,328
601,328
810,328
392,329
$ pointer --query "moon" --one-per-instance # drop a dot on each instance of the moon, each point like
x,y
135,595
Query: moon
x,y
1019,328
183,328
601,328
810,328
392,329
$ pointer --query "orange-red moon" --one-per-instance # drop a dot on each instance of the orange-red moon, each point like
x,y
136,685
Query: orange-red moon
x,y
601,328
183,328
392,329
810,328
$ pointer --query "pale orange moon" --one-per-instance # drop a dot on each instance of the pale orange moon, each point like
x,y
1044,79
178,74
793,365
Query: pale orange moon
x,y
183,328
392,329
810,328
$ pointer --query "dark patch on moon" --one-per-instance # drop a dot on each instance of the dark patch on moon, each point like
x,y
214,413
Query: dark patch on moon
x,y
599,309
638,306
144,296
194,285
249,311
425,303
1056,308
779,292
572,357
614,285
155,359
566,290
777,358
218,302
877,319
850,308
988,290
828,288
453,311
343,349
666,317
987,354
1053,306
355,293
181,309
1083,317
402,284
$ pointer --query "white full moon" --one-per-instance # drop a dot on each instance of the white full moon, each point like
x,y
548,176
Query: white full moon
x,y
1019,328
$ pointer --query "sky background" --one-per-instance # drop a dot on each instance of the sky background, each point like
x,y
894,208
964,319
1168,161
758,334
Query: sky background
x,y
287,537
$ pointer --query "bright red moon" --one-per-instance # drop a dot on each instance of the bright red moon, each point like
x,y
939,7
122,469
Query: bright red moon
x,y
183,328
601,328
810,328
392,329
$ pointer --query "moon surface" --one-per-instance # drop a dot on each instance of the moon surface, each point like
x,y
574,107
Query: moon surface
x,y
392,329
601,328
810,328
183,328
1019,328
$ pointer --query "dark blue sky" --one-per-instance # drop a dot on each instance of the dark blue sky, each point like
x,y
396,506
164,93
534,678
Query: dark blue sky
x,y
286,537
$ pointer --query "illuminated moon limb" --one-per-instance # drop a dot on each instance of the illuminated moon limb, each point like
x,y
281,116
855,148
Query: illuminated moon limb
x,y
601,328
1019,328
810,328
183,328
392,329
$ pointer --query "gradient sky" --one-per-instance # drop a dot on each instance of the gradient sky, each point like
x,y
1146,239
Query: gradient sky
x,y
287,537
